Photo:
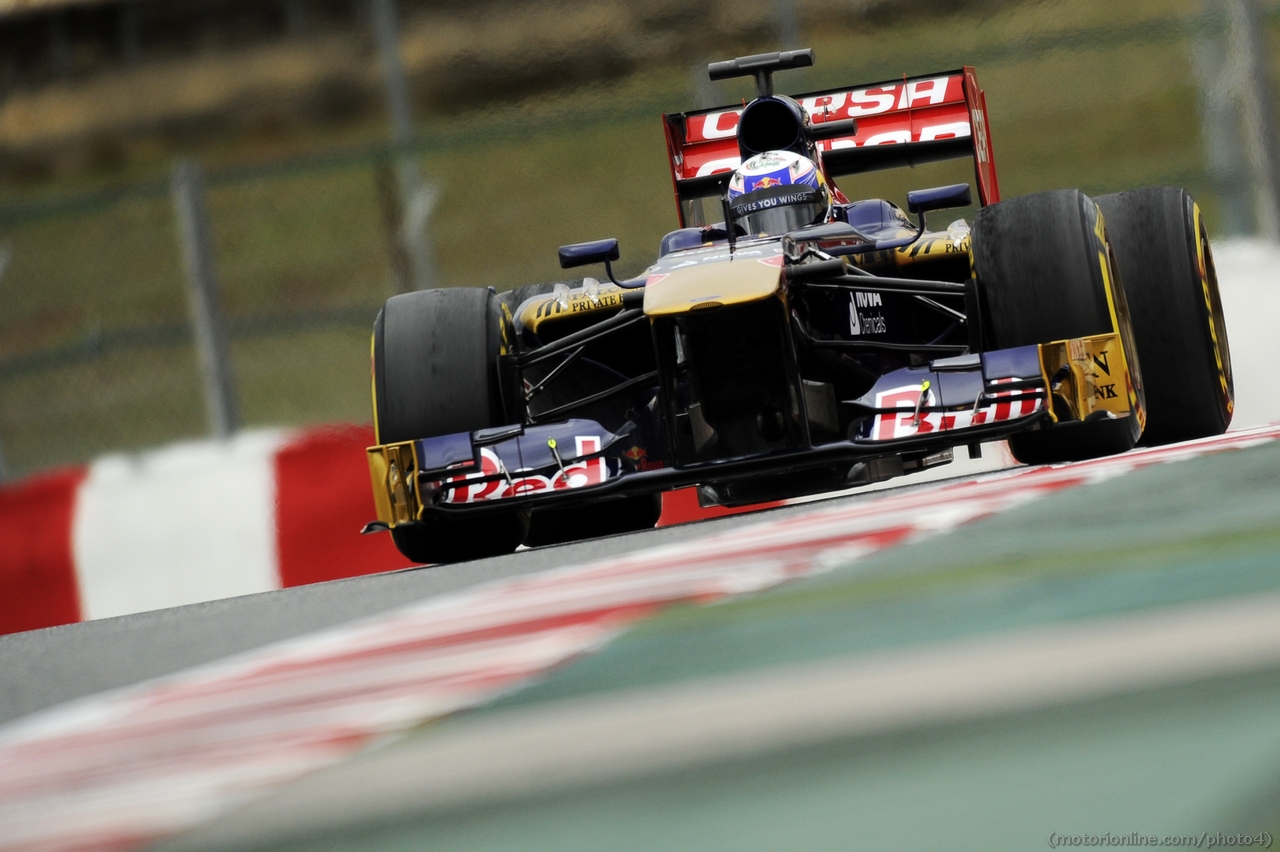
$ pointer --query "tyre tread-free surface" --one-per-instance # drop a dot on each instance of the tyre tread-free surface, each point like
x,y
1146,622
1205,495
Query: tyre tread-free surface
x,y
432,354
434,374
1039,275
1036,259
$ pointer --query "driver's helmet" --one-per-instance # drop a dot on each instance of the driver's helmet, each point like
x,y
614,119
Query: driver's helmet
x,y
776,192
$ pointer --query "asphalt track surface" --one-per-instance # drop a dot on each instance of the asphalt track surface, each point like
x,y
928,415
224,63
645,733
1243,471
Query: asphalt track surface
x,y
1102,658
154,737
43,668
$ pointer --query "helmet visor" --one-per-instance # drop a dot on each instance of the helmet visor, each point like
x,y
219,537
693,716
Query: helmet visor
x,y
778,210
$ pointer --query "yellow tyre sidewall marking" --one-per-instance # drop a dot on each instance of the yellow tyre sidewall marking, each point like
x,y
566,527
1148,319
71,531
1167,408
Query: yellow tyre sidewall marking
x,y
1202,269
1128,347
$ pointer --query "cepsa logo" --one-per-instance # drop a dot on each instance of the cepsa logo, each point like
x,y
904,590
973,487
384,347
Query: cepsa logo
x,y
875,100
460,489
920,110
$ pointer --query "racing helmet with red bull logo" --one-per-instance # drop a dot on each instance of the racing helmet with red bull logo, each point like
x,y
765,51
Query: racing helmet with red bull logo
x,y
776,192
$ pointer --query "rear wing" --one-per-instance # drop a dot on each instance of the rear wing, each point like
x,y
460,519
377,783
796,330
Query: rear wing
x,y
900,123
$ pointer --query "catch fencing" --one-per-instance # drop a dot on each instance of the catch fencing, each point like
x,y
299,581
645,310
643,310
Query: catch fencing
x,y
97,349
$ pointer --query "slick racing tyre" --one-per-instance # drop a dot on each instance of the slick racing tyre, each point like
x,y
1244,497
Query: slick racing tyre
x,y
1040,265
434,373
1167,267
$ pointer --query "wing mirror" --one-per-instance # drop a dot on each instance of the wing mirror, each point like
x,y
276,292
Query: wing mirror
x,y
597,251
921,201
939,198
581,254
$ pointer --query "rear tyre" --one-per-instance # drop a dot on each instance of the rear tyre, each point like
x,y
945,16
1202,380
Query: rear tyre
x,y
1163,254
434,373
555,525
1037,259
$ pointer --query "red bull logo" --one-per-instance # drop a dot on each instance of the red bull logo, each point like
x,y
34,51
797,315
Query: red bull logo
x,y
578,475
766,182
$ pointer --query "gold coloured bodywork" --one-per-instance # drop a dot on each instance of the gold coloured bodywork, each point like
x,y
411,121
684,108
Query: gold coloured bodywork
x,y
569,303
393,470
1095,374
714,278
722,282
932,249
1087,375
926,257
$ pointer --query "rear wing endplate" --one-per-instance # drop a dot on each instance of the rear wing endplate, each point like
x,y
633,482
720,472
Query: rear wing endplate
x,y
902,122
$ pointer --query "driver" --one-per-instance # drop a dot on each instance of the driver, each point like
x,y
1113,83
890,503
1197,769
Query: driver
x,y
776,192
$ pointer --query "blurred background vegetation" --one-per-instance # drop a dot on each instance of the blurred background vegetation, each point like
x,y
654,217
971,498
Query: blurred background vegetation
x,y
536,123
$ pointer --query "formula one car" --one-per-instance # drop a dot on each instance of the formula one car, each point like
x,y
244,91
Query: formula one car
x,y
788,341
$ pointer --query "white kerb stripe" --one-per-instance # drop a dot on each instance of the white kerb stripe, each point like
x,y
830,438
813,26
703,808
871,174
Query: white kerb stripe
x,y
189,523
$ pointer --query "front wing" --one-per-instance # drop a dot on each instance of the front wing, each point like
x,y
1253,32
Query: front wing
x,y
950,402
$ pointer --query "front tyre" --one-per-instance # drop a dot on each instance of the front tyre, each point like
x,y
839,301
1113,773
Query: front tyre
x,y
1046,274
434,373
1163,253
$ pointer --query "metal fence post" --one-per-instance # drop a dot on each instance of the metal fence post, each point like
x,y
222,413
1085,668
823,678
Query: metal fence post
x,y
1220,133
705,92
6,257
1247,35
196,237
1237,121
417,197
785,19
